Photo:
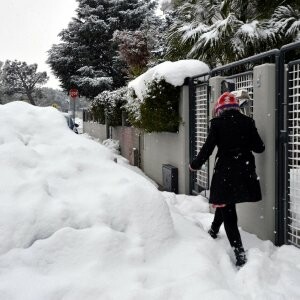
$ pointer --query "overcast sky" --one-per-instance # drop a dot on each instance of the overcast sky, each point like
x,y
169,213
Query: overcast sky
x,y
28,28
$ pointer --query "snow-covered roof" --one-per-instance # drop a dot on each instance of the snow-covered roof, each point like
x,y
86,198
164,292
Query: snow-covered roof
x,y
173,72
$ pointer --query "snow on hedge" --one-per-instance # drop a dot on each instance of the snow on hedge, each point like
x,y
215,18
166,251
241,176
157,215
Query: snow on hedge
x,y
173,72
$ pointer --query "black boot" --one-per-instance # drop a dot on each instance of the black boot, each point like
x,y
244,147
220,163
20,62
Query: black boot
x,y
212,233
240,255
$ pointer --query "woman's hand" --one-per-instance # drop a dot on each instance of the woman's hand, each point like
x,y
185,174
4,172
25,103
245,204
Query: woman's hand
x,y
191,169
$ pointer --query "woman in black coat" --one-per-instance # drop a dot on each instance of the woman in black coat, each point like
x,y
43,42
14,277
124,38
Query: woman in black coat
x,y
234,179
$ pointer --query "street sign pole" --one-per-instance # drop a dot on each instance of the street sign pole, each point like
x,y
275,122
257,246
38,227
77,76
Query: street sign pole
x,y
73,93
74,108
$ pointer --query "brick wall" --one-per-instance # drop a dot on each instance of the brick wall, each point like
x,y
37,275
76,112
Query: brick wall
x,y
130,142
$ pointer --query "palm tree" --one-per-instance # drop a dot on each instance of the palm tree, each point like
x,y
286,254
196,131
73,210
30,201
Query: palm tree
x,y
219,32
285,25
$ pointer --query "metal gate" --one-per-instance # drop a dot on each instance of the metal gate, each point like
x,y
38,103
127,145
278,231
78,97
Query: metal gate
x,y
199,91
201,125
199,128
287,130
293,159
244,81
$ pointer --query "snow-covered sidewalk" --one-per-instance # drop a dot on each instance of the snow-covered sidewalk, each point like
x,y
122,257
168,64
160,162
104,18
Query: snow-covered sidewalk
x,y
77,225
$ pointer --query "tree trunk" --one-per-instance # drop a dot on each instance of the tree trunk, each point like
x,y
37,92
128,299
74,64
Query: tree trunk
x,y
30,98
244,10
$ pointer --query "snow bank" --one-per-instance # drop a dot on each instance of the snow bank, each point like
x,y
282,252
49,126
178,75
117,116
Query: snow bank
x,y
112,145
173,72
54,182
76,225
270,273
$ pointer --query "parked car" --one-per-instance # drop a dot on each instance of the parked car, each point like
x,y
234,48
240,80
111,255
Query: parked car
x,y
72,125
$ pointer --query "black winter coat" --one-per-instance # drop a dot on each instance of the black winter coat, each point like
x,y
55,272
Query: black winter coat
x,y
234,179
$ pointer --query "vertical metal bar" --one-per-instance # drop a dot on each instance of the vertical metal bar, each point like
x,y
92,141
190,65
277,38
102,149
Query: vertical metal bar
x,y
192,121
289,146
107,126
208,114
280,155
74,107
278,161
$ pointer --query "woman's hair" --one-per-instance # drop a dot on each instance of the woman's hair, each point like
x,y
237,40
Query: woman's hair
x,y
227,101
221,111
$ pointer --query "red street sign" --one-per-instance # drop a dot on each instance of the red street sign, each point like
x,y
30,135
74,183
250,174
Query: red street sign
x,y
73,93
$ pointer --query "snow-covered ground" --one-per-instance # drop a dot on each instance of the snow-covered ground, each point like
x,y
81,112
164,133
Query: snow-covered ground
x,y
80,125
75,224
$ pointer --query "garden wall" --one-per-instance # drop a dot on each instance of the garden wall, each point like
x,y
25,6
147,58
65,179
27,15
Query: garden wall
x,y
169,148
130,141
95,130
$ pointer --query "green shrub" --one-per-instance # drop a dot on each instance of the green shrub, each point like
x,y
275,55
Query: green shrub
x,y
159,110
98,113
109,104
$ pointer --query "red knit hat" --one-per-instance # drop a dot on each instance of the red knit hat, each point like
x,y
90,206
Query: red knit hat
x,y
226,101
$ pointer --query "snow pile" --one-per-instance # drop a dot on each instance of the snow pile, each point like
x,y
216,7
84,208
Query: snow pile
x,y
58,207
112,145
76,225
270,273
173,72
80,125
52,179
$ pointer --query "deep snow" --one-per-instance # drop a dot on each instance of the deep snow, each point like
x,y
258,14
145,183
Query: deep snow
x,y
77,225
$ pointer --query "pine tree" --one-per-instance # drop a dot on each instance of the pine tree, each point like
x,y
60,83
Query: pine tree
x,y
87,57
145,47
133,49
19,77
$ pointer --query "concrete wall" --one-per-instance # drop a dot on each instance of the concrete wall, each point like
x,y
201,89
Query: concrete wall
x,y
155,149
169,148
215,84
259,218
95,130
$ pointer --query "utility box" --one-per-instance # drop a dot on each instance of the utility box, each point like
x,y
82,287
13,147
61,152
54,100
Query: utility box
x,y
170,178
134,157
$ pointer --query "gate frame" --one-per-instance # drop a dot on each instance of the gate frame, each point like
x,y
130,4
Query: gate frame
x,y
192,121
277,57
283,143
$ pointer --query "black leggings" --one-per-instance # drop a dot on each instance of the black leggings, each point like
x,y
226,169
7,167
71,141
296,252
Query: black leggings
x,y
228,215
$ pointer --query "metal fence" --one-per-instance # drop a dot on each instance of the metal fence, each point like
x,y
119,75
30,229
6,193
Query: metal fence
x,y
201,124
293,167
244,81
199,116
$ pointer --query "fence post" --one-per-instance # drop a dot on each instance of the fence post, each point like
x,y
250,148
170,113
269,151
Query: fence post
x,y
281,154
192,133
